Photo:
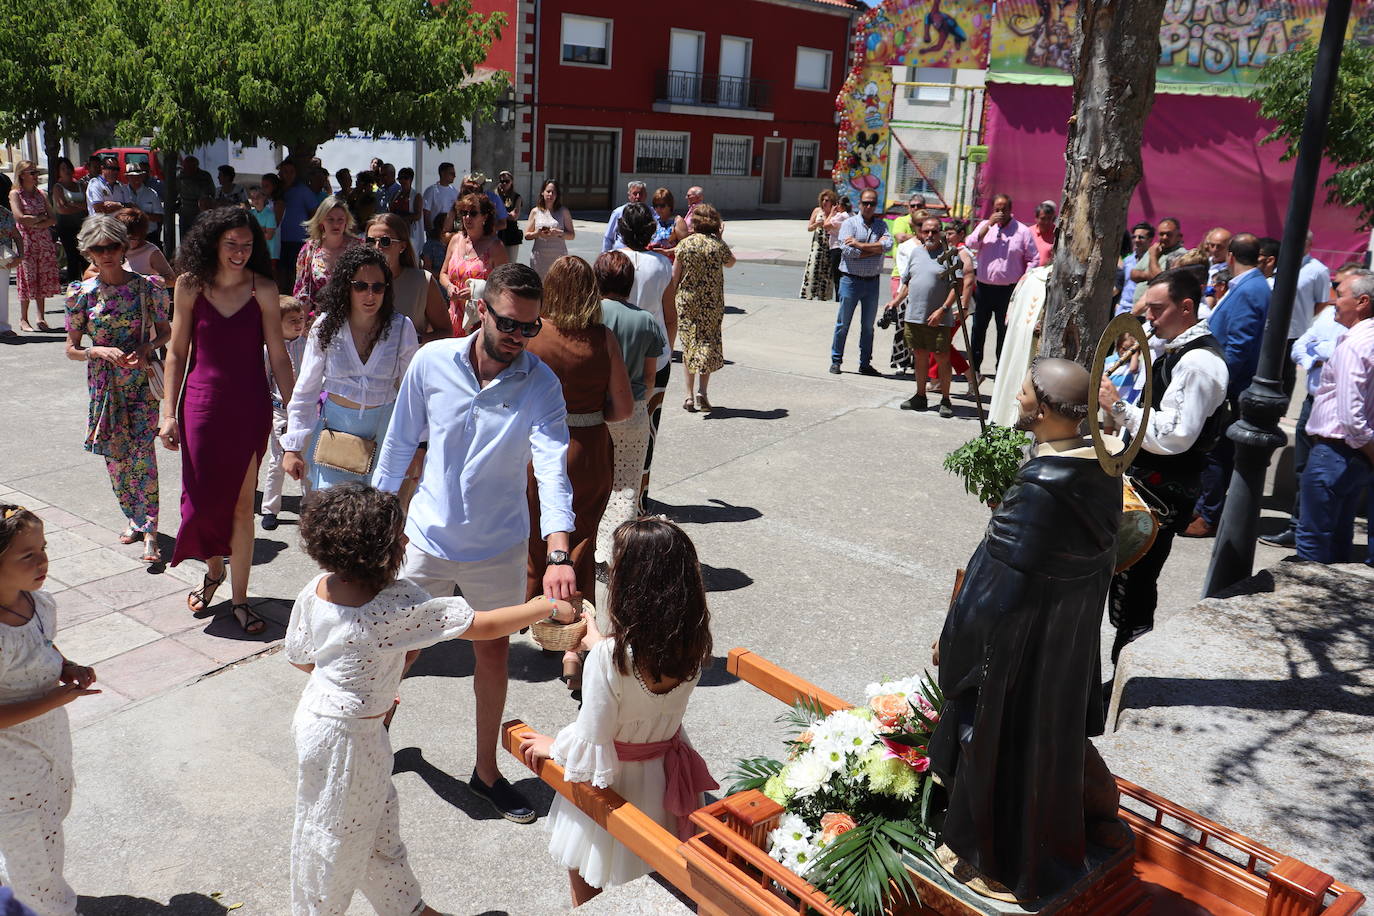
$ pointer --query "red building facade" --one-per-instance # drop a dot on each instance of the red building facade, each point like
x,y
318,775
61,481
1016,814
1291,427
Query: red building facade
x,y
736,96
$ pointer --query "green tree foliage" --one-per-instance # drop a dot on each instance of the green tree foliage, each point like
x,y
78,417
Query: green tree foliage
x,y
293,71
30,43
1282,94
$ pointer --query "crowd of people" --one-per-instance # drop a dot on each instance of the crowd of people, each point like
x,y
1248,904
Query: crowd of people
x,y
1204,308
497,418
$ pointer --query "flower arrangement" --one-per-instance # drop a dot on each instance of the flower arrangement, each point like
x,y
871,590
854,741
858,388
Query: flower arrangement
x,y
856,793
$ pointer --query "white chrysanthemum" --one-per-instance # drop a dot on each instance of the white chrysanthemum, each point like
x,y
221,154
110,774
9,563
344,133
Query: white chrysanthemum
x,y
800,860
906,687
807,774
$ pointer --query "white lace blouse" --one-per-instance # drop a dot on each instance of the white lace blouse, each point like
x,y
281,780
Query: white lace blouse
x,y
340,370
29,665
359,652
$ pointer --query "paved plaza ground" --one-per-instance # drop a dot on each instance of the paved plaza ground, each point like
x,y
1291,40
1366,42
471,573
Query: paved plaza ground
x,y
829,536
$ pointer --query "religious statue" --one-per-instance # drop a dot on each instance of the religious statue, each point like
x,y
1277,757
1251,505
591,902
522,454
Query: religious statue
x,y
1019,664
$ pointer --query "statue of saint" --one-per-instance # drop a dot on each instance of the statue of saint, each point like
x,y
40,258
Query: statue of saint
x,y
1019,664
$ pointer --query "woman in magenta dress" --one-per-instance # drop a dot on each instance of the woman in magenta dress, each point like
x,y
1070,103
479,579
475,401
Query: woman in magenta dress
x,y
217,408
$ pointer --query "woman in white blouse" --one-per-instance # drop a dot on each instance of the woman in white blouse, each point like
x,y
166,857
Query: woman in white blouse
x,y
358,350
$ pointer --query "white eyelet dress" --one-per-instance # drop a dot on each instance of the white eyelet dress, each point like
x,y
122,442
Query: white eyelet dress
x,y
347,832
36,759
615,707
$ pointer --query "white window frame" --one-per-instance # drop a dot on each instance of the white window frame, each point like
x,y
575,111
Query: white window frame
x,y
942,97
748,70
609,25
815,158
686,149
829,63
748,157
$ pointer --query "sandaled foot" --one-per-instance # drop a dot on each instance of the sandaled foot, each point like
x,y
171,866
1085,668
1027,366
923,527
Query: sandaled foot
x,y
689,405
151,553
130,535
252,622
43,325
703,403
200,598
25,326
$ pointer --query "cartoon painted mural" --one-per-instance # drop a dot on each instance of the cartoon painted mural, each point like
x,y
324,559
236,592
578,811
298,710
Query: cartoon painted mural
x,y
1214,47
898,33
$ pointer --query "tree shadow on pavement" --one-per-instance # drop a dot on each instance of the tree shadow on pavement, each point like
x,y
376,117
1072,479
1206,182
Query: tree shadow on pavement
x,y
724,579
456,792
179,905
745,413
716,511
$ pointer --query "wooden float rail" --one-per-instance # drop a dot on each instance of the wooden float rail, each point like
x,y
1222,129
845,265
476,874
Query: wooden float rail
x,y
641,834
1292,887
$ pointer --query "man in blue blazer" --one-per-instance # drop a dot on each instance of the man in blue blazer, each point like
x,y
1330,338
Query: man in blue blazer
x,y
1237,323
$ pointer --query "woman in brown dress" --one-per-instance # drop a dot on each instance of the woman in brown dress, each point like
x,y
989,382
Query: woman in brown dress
x,y
585,356
699,275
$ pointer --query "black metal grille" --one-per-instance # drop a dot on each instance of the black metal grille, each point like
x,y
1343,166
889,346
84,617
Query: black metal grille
x,y
804,158
687,88
730,156
663,154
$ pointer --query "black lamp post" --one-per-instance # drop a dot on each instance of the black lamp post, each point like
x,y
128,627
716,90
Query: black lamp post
x,y
1256,434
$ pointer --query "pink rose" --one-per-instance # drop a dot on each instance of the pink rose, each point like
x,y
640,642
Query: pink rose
x,y
835,823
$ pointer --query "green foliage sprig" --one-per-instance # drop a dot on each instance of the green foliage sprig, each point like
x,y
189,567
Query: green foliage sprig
x,y
987,464
1284,84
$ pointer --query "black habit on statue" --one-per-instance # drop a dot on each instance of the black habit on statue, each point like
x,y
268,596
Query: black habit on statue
x,y
1020,670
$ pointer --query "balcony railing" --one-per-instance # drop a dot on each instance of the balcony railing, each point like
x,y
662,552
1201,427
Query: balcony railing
x,y
684,87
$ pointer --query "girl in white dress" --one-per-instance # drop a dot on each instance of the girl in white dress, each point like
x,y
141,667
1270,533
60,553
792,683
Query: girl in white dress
x,y
353,628
36,682
635,688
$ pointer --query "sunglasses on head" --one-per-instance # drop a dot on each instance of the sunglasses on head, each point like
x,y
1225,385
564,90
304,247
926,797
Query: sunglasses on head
x,y
380,241
105,249
362,286
510,325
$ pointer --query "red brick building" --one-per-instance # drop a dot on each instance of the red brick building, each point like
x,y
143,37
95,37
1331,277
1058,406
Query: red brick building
x,y
734,95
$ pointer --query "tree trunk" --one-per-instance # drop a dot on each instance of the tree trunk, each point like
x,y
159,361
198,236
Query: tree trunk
x,y
52,147
1114,87
171,212
301,154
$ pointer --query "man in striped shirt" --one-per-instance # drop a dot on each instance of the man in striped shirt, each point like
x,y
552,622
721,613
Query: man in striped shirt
x,y
1341,428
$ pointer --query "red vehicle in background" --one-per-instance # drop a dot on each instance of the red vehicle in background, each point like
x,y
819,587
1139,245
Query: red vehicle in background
x,y
127,156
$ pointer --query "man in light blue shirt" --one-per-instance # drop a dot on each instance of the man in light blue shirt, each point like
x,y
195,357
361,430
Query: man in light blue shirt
x,y
863,241
487,409
635,193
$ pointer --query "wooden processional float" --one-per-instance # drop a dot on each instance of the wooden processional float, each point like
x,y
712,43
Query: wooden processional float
x,y
1182,864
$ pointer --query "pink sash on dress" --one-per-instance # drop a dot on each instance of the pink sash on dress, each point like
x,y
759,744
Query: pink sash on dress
x,y
685,772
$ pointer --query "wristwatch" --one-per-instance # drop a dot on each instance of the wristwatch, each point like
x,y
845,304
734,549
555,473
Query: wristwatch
x,y
1119,407
559,558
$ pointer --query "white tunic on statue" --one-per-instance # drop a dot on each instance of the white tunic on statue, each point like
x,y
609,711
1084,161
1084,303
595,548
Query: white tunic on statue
x,y
36,760
615,707
347,829
1027,305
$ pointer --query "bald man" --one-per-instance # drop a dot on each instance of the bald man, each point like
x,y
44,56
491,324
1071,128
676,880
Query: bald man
x,y
1019,662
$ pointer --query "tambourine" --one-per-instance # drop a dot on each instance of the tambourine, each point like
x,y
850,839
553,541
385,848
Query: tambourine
x,y
1116,464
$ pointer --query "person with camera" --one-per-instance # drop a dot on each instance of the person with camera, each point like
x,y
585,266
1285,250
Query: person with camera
x,y
930,285
1187,415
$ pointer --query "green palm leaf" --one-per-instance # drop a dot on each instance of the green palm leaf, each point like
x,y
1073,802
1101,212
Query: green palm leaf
x,y
752,773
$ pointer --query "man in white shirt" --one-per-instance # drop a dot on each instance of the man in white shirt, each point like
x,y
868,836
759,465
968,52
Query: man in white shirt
x,y
440,197
488,409
1186,417
105,193
146,199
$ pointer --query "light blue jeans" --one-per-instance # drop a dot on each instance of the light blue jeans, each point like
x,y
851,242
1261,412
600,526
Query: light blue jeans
x,y
368,423
856,292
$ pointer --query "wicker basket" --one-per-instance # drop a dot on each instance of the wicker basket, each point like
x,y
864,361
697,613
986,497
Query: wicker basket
x,y
560,637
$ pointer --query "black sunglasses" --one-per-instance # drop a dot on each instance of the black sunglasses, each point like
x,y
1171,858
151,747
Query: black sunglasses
x,y
104,249
510,325
362,286
868,203
383,241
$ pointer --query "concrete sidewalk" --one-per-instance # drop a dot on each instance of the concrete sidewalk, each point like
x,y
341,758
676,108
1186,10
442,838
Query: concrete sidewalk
x,y
828,533
755,238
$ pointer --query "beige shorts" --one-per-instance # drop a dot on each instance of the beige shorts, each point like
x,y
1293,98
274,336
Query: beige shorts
x,y
486,584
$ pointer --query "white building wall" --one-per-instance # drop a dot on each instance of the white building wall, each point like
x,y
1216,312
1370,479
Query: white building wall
x,y
935,144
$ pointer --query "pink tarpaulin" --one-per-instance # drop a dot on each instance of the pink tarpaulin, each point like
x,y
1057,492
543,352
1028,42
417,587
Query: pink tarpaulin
x,y
1204,165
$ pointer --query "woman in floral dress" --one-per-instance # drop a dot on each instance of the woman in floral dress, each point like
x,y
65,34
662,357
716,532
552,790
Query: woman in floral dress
x,y
38,277
123,421
699,275
331,232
